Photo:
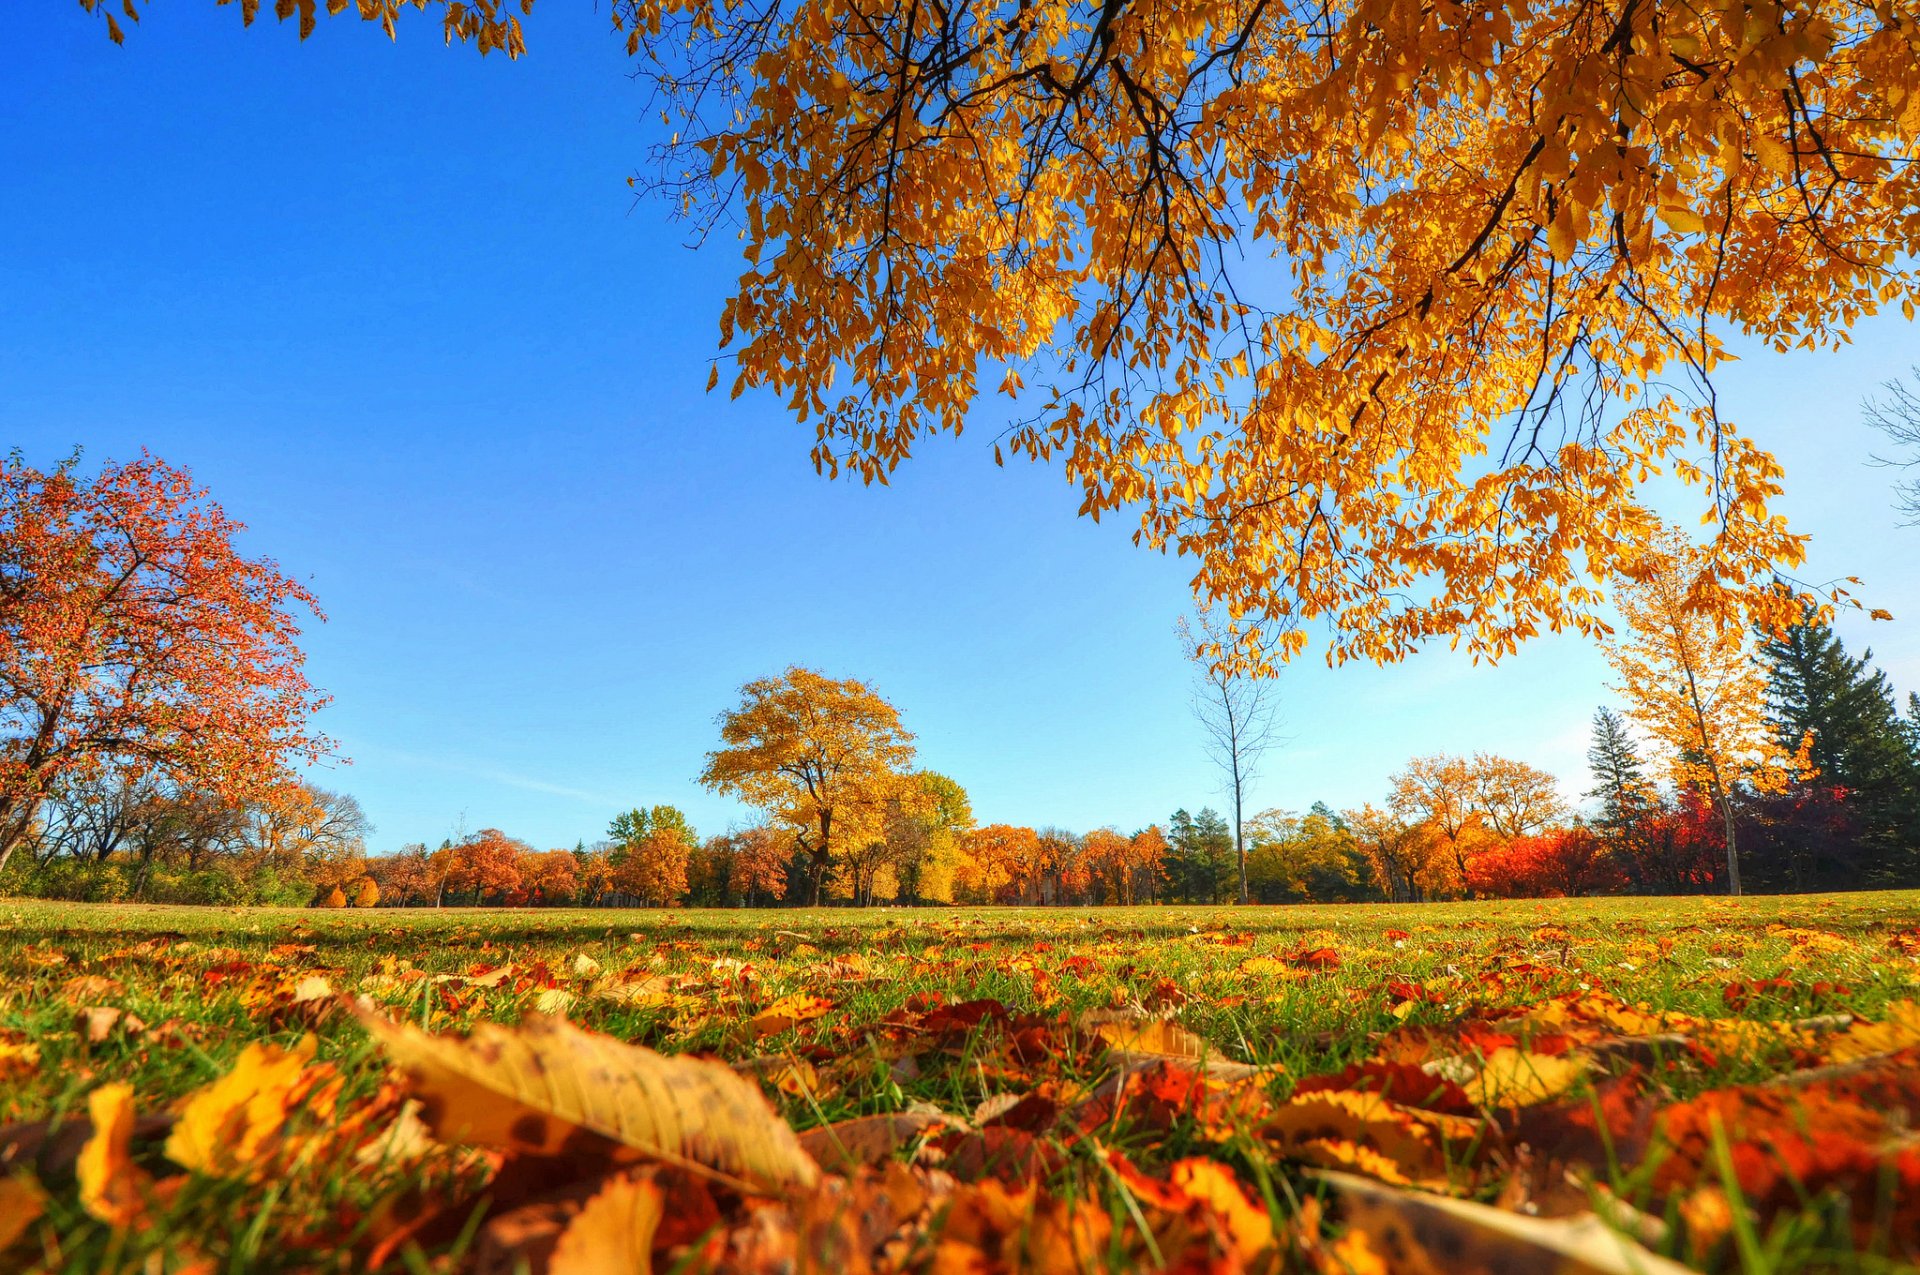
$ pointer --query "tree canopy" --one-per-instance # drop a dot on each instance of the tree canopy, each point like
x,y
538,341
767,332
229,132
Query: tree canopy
x,y
1386,314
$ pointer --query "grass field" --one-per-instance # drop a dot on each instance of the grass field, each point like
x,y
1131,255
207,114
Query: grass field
x,y
1730,1081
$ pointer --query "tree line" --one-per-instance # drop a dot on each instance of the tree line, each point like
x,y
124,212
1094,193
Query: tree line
x,y
847,818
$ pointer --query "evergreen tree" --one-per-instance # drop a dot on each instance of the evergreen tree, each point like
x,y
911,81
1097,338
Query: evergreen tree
x,y
1626,798
1200,856
1618,779
1861,749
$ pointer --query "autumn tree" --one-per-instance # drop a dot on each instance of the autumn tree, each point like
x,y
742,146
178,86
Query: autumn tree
x,y
654,868
995,860
759,864
1693,686
922,834
485,865
1408,858
1380,313
1310,858
1439,793
135,635
822,756
1236,709
550,876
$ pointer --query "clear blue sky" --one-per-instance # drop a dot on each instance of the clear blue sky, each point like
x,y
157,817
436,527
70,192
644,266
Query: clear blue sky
x,y
396,306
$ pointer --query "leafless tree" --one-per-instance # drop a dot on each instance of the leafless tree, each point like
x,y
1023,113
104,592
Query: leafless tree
x,y
1238,713
1898,417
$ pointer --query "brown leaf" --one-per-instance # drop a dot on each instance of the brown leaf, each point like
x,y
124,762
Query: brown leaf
x,y
867,1139
1435,1235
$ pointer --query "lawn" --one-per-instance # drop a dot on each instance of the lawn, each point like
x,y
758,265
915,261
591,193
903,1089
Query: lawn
x,y
1304,1088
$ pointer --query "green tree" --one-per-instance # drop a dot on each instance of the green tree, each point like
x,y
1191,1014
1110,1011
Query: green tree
x,y
1200,857
1621,786
1846,709
631,828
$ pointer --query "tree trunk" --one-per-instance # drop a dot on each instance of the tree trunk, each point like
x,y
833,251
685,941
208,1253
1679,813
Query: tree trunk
x,y
16,818
1726,822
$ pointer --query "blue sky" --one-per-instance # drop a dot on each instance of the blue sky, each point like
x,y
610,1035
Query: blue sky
x,y
396,306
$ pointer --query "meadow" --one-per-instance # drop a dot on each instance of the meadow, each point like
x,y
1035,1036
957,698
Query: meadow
x,y
1610,1085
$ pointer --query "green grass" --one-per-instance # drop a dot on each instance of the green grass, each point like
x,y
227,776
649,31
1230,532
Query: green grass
x,y
216,983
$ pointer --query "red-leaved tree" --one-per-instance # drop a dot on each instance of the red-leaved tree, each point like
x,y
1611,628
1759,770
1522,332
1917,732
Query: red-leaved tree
x,y
135,634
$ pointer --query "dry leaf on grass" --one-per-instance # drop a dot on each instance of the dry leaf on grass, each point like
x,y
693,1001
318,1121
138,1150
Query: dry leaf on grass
x,y
613,1234
536,1086
1436,1235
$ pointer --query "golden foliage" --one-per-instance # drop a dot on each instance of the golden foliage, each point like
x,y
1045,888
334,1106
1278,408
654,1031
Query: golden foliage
x,y
1384,314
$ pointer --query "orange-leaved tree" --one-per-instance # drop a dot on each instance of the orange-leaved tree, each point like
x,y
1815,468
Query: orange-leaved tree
x,y
996,860
134,634
1695,686
822,756
1385,313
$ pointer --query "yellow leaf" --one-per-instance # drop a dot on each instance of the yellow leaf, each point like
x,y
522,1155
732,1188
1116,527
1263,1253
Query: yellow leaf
x,y
1683,220
109,1182
787,1012
613,1234
1863,1040
1134,1034
21,1059
534,1086
22,1203
1516,1078
226,1128
1250,1228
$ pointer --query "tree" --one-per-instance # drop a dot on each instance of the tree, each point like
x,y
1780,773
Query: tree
x,y
1236,710
922,835
367,894
134,635
1440,793
1382,313
759,863
1692,685
1408,859
1199,854
485,865
1898,417
406,876
550,876
632,827
654,869
995,860
822,756
1627,799
1844,709
1516,799
1306,859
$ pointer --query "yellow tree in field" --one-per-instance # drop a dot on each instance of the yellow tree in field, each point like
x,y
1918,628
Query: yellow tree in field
x,y
1694,685
824,757
1383,312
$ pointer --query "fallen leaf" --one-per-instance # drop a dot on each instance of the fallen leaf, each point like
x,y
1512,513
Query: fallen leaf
x,y
109,1182
225,1127
613,1234
534,1087
1436,1235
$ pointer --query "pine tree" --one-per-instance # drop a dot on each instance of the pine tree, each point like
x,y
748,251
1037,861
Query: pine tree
x,y
1619,781
1858,744
1620,784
